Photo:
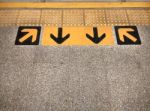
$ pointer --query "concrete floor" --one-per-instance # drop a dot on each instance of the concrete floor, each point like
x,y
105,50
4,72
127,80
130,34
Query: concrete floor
x,y
74,78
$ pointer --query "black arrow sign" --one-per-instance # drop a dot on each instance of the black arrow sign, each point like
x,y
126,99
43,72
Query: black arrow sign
x,y
96,39
60,39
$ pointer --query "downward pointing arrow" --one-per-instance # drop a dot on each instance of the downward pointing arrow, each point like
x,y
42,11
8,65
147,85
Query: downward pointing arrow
x,y
96,39
31,33
60,39
125,33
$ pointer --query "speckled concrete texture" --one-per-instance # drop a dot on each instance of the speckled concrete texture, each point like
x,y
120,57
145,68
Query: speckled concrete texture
x,y
11,53
74,78
129,74
76,72
14,83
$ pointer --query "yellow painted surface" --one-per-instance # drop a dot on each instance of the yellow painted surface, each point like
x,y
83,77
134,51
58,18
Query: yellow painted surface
x,y
77,35
75,5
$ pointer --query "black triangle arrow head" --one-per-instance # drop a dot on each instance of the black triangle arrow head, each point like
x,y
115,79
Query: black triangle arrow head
x,y
59,39
96,39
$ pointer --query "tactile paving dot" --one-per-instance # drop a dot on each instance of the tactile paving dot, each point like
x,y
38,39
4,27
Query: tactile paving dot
x,y
51,17
8,17
29,17
139,17
73,17
116,17
95,17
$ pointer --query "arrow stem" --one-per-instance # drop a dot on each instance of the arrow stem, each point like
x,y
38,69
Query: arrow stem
x,y
60,39
96,39
95,31
125,32
59,32
24,38
131,37
31,33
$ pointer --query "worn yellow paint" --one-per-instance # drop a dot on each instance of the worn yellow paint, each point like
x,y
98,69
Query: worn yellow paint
x,y
74,5
77,35
30,32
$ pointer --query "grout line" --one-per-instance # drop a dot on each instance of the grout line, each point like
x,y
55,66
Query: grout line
x,y
84,18
40,21
106,17
62,24
127,17
19,11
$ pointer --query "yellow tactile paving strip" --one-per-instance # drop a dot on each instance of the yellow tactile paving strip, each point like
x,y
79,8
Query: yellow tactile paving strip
x,y
95,17
139,17
26,17
74,17
8,17
116,17
51,17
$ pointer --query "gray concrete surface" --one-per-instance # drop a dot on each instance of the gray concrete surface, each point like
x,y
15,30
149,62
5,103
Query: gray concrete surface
x,y
73,78
129,75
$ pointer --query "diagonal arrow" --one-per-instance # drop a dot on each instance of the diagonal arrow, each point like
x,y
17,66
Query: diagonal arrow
x,y
96,39
60,39
30,33
125,33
